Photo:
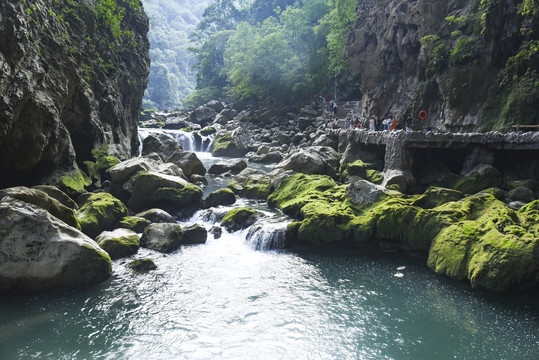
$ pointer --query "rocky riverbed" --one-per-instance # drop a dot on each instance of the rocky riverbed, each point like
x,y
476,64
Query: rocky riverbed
x,y
480,226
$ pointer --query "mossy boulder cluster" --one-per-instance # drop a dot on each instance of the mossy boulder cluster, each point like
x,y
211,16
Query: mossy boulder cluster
x,y
476,237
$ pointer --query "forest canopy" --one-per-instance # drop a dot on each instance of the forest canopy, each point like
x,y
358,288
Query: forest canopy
x,y
280,50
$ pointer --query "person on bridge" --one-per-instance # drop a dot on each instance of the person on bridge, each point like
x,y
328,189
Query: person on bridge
x,y
409,123
393,123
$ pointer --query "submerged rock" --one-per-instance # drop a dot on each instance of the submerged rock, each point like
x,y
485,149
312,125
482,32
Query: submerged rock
x,y
142,265
163,237
119,243
38,251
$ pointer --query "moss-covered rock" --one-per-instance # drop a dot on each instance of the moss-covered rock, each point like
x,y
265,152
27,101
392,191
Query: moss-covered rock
x,y
119,243
225,146
494,191
220,197
162,237
44,201
135,223
478,237
100,212
59,195
194,234
163,191
494,247
207,131
251,184
480,178
74,182
522,193
240,218
142,265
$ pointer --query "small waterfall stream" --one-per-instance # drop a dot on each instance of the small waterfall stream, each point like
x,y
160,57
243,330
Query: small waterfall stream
x,y
189,141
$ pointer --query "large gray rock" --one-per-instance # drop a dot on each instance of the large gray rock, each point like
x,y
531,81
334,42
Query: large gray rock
x,y
202,115
38,251
156,216
119,243
121,172
59,99
59,195
220,197
163,191
194,234
163,237
364,192
100,212
44,201
188,162
233,166
312,160
162,144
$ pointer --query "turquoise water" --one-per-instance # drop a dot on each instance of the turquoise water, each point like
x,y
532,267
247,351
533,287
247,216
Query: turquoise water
x,y
225,300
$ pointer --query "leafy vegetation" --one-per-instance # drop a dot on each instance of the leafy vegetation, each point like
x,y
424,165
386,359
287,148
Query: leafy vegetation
x,y
172,76
280,50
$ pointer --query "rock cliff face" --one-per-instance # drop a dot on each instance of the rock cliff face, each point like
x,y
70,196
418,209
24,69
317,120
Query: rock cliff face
x,y
72,77
470,66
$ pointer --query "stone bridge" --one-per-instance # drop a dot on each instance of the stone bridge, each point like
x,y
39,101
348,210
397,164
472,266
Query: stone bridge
x,y
460,152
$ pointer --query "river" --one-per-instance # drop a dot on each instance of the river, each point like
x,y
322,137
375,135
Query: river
x,y
236,298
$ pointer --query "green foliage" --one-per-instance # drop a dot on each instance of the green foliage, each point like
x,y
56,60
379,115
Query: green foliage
x,y
466,49
172,73
279,50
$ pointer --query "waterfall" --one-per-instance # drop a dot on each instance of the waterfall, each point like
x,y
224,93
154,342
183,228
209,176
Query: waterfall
x,y
264,236
189,141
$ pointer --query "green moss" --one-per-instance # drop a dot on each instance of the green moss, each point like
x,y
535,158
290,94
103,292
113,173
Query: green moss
x,y
477,181
240,218
122,246
259,188
375,176
142,265
75,182
100,212
220,197
137,224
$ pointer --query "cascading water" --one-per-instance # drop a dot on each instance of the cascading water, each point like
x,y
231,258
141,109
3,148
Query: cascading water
x,y
189,141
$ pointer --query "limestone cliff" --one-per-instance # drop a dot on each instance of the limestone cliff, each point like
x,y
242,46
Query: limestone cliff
x,y
472,65
72,77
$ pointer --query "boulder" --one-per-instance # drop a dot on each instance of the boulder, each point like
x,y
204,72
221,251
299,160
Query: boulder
x,y
135,223
176,123
216,231
319,160
162,144
522,193
44,201
100,212
163,191
240,218
59,195
172,170
189,162
251,184
202,115
119,243
233,166
38,251
121,172
227,144
479,178
162,237
220,197
402,181
364,192
216,105
194,234
156,216
142,265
